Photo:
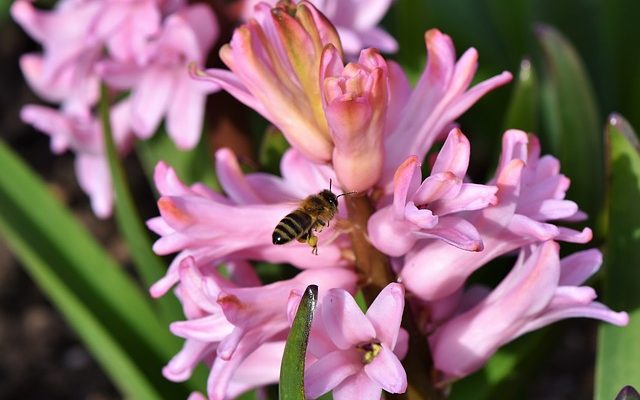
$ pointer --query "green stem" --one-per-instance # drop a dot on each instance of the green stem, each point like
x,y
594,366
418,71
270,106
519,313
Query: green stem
x,y
374,271
149,266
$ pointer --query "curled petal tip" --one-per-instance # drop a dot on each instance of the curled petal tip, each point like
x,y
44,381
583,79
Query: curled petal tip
x,y
195,71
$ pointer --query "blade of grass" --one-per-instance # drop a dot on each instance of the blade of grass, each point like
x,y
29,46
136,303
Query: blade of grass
x,y
619,349
149,266
107,309
119,365
292,367
571,118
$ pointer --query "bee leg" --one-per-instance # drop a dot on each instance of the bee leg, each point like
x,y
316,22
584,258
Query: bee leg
x,y
320,224
312,241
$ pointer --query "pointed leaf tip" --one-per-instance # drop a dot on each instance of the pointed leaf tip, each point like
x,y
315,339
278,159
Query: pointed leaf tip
x,y
628,393
293,359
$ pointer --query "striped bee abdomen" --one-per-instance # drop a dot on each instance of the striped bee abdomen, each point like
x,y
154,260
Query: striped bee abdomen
x,y
291,227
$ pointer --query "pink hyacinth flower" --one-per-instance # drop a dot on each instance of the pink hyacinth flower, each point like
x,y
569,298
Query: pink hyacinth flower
x,y
531,192
357,355
198,222
355,20
354,98
234,326
442,94
162,85
539,290
65,70
82,134
274,60
428,210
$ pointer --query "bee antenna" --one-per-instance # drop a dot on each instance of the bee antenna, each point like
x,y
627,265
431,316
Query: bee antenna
x,y
330,184
345,194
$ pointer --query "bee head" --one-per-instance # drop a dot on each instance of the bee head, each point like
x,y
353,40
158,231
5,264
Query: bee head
x,y
329,197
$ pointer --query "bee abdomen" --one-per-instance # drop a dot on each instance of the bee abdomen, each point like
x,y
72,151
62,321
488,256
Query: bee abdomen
x,y
291,227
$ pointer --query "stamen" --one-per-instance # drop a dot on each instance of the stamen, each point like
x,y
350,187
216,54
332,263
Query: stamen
x,y
371,351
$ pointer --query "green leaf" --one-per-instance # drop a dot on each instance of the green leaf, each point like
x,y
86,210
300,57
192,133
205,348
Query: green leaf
x,y
523,107
149,266
107,309
192,166
409,24
292,367
619,348
571,118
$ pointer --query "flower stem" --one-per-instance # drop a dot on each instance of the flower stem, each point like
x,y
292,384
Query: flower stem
x,y
374,271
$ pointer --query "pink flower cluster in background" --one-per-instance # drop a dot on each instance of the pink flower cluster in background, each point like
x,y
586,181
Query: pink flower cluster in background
x,y
141,47
362,125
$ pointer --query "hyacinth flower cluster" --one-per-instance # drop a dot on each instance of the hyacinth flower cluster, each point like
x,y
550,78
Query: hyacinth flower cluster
x,y
361,126
140,50
136,47
351,118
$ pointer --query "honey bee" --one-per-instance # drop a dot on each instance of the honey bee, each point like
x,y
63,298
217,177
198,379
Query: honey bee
x,y
312,215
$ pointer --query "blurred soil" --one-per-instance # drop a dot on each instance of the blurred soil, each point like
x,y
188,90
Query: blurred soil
x,y
41,357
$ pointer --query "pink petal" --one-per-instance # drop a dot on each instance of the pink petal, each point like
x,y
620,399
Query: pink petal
x,y
475,93
344,321
192,280
422,218
466,342
405,182
329,371
181,366
389,235
151,99
51,122
222,370
437,186
567,296
578,267
524,226
167,181
95,180
554,209
214,79
455,231
594,310
370,13
387,371
185,115
454,155
261,368
212,328
514,147
378,38
305,176
202,21
470,197
385,313
232,179
402,344
358,386
573,236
